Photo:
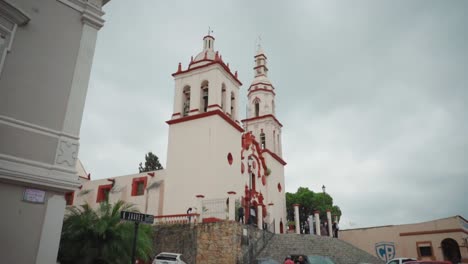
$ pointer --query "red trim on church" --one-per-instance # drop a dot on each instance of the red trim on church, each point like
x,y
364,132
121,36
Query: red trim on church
x,y
135,183
224,66
262,90
210,113
259,66
262,117
214,105
208,36
193,110
260,55
261,83
276,157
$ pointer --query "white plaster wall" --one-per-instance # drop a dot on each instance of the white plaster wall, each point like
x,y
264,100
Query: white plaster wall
x,y
197,162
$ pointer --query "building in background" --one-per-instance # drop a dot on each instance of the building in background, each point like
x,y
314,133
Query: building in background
x,y
46,52
212,160
441,239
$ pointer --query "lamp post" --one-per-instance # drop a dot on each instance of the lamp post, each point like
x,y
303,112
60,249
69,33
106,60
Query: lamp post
x,y
323,188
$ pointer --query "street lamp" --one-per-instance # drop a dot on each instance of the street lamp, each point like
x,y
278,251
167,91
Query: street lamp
x,y
323,188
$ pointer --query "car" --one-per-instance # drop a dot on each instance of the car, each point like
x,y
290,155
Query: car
x,y
400,260
168,258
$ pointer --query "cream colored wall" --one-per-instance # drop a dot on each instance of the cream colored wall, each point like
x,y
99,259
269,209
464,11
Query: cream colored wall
x,y
148,203
405,246
197,162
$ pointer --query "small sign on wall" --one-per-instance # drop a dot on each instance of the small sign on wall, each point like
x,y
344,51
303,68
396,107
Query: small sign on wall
x,y
34,196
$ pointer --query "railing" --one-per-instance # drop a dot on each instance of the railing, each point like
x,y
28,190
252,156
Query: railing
x,y
215,208
176,219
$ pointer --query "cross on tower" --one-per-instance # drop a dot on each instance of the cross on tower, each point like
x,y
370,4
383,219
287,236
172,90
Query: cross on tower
x,y
209,31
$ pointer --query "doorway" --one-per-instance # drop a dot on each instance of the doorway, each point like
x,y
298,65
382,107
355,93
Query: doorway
x,y
451,250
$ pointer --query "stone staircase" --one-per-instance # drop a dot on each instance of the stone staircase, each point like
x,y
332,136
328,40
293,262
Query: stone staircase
x,y
293,244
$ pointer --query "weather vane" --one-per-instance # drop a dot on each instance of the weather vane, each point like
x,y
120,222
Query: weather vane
x,y
259,41
209,31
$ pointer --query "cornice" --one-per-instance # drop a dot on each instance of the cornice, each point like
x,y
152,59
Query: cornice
x,y
13,13
209,113
226,69
91,11
262,117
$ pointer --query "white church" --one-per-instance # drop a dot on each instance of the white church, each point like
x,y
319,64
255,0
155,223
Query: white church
x,y
216,163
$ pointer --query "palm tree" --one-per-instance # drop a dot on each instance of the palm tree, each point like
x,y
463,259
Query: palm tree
x,y
100,237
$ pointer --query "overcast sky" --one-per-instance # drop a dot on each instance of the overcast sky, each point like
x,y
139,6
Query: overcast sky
x,y
372,95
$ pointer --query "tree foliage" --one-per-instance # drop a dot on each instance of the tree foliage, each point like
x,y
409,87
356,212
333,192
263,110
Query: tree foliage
x,y
100,237
309,202
151,163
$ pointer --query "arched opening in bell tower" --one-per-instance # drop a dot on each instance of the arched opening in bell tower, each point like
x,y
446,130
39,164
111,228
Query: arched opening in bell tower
x,y
223,97
257,106
262,140
204,90
186,101
233,106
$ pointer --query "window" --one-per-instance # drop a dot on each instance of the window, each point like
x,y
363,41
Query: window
x,y
425,249
138,186
10,19
103,193
69,198
204,96
262,140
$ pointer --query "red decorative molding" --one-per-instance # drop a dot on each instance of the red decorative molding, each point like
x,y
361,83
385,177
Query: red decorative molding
x,y
211,220
152,174
176,114
262,117
210,113
193,110
270,204
214,105
242,168
260,55
261,83
261,90
276,157
279,187
112,180
69,197
260,66
209,64
135,183
208,36
200,196
229,158
454,230
231,192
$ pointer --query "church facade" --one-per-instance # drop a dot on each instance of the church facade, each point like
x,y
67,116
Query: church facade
x,y
212,155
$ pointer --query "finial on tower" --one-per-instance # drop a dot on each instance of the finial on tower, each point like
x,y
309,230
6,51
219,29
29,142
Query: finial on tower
x,y
209,31
259,42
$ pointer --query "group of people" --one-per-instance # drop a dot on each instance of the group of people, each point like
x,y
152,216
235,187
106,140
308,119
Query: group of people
x,y
299,260
324,229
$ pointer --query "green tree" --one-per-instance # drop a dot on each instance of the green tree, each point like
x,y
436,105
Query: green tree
x,y
151,163
310,201
100,237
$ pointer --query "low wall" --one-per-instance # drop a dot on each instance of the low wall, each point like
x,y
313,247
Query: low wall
x,y
221,242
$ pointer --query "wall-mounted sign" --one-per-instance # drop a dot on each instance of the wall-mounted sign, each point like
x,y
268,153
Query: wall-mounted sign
x,y
34,196
385,250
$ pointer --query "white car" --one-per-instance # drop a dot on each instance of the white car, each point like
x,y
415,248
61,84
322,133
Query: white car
x,y
168,258
399,260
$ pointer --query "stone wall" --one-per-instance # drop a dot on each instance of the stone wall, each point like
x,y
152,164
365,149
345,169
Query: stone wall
x,y
221,242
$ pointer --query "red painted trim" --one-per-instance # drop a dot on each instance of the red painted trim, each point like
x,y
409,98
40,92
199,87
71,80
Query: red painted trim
x,y
260,90
135,183
112,180
276,157
214,105
200,196
259,66
262,117
271,204
176,114
152,174
83,177
454,230
260,55
175,215
211,220
209,113
69,197
208,36
209,64
231,192
194,110
261,83
100,193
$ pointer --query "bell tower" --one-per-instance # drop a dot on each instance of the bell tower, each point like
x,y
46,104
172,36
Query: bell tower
x,y
261,113
203,157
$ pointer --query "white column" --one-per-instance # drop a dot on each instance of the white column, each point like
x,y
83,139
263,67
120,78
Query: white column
x,y
329,220
51,230
260,216
296,218
232,206
200,208
317,222
311,224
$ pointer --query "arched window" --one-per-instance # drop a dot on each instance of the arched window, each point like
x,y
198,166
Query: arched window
x,y
186,101
262,140
233,106
257,106
223,97
204,90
